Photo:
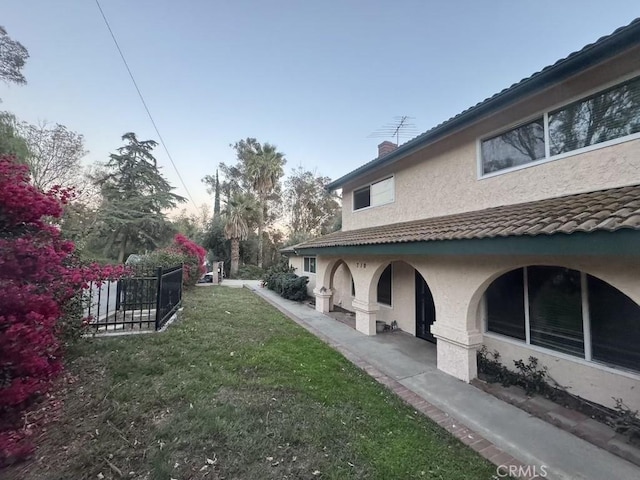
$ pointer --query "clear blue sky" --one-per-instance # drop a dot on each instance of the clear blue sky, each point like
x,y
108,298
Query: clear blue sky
x,y
313,77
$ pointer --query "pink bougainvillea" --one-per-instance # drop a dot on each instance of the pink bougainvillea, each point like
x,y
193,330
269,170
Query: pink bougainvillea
x,y
194,254
39,274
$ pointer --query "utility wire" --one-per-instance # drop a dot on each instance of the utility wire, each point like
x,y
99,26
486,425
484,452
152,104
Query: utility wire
x,y
135,84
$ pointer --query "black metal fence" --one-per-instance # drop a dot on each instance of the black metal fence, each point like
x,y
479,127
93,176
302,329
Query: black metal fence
x,y
145,301
169,296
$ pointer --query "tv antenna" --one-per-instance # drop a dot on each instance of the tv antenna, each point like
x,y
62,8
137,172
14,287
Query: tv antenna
x,y
400,127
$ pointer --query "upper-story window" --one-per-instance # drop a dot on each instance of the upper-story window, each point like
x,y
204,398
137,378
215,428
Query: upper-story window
x,y
375,194
607,116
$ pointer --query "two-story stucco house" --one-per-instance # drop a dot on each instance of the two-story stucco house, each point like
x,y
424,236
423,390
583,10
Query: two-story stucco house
x,y
515,225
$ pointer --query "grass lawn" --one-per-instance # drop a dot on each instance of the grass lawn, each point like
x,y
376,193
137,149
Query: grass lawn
x,y
236,390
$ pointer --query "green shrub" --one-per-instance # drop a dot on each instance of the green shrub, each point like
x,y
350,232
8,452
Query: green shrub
x,y
250,272
279,268
281,279
294,287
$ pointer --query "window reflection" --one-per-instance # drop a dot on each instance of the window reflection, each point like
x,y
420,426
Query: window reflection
x,y
605,116
519,146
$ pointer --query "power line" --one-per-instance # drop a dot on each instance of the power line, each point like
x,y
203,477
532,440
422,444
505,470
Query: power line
x,y
135,84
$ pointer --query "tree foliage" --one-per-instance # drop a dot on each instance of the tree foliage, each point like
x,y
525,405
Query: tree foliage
x,y
193,225
13,56
39,277
54,154
236,218
11,142
181,251
312,209
135,197
258,171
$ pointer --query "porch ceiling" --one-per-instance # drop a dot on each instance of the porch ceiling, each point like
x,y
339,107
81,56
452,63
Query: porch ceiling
x,y
593,212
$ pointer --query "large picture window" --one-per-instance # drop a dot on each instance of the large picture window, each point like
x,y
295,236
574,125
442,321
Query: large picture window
x,y
377,193
608,115
555,309
566,311
384,287
505,305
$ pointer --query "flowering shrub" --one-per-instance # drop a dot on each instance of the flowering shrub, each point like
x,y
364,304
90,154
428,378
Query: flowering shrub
x,y
184,251
39,276
194,259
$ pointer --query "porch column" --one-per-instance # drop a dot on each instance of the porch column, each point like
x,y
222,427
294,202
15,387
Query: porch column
x,y
365,316
324,299
456,351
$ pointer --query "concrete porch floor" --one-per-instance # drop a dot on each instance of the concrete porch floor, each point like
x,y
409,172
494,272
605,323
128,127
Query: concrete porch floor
x,y
408,365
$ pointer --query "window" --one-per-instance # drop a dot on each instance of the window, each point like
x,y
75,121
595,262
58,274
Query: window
x,y
608,115
522,145
309,265
353,288
605,116
505,305
615,325
384,287
362,198
555,309
377,193
566,311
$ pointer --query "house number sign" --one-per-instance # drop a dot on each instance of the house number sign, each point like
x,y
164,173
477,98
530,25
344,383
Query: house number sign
x,y
361,265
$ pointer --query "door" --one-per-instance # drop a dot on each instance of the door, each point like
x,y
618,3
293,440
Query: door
x,y
425,310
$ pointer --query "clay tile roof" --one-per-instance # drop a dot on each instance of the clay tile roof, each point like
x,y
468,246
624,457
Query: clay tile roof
x,y
608,210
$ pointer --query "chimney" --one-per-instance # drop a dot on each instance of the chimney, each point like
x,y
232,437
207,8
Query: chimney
x,y
385,148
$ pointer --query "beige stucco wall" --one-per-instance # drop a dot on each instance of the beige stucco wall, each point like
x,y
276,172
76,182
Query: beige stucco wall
x,y
443,179
458,284
342,287
585,379
403,307
297,262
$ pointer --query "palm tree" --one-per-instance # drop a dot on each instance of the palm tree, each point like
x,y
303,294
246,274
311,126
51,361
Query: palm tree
x,y
264,169
236,218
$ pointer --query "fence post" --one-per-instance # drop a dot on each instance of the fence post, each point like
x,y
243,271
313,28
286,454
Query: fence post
x,y
158,295
118,293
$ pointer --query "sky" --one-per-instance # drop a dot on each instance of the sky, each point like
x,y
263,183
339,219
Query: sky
x,y
315,78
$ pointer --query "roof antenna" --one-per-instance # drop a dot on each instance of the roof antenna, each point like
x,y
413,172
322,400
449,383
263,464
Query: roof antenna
x,y
400,127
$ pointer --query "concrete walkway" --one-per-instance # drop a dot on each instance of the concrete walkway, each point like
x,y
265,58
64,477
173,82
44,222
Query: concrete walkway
x,y
499,431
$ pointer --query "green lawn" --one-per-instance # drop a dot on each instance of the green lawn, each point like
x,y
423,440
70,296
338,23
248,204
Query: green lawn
x,y
236,390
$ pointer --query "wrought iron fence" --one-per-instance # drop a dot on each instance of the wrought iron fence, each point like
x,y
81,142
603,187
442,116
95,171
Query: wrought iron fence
x,y
169,296
145,301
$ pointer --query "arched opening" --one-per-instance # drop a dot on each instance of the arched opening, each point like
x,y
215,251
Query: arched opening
x,y
566,311
425,309
404,299
342,285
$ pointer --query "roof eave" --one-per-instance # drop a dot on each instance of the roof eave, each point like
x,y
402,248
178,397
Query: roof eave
x,y
623,242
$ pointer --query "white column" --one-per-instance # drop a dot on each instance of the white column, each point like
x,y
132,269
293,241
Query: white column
x,y
365,316
456,351
324,299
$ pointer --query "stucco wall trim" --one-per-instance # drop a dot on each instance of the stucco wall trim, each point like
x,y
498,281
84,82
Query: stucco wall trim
x,y
564,356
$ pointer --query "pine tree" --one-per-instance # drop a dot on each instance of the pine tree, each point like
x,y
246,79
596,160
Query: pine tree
x,y
135,195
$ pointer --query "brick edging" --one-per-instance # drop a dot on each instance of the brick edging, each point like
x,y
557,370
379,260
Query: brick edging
x,y
469,437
